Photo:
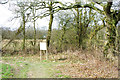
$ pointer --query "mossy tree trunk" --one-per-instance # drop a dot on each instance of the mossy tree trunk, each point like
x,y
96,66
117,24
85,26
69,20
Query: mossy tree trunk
x,y
111,21
64,29
78,24
34,11
24,37
111,38
119,39
62,37
50,24
82,25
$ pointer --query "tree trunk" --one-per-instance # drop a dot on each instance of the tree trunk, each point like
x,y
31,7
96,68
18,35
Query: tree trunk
x,y
34,29
61,39
24,31
111,39
50,25
111,30
79,26
119,39
34,36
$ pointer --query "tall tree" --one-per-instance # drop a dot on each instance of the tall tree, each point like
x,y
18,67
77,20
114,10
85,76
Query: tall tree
x,y
64,20
34,23
112,18
118,38
50,23
23,24
82,22
24,16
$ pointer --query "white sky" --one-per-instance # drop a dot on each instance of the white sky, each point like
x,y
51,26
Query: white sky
x,y
6,15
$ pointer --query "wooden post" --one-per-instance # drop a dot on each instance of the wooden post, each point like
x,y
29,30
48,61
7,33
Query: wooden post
x,y
46,55
40,55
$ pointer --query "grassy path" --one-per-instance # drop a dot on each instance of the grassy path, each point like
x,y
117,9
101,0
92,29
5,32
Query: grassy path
x,y
30,67
41,70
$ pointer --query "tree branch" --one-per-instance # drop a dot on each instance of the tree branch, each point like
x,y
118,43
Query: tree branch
x,y
107,9
81,6
4,2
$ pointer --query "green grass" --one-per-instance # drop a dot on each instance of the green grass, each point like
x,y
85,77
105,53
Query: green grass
x,y
6,71
58,71
43,69
22,72
38,69
63,76
18,71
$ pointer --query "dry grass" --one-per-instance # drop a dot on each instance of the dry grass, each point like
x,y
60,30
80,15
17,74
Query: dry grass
x,y
89,65
15,47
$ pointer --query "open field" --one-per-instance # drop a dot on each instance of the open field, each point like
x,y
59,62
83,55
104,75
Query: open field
x,y
15,47
17,44
64,65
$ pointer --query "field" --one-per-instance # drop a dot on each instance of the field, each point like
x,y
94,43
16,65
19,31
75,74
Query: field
x,y
62,65
15,47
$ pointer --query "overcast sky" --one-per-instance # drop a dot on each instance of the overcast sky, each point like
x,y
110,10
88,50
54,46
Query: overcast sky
x,y
6,15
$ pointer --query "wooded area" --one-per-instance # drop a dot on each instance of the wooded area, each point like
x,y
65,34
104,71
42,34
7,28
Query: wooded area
x,y
85,28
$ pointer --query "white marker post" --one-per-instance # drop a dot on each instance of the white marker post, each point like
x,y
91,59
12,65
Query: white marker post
x,y
43,47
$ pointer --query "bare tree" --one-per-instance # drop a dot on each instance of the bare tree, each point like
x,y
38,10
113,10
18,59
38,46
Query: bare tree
x,y
112,18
